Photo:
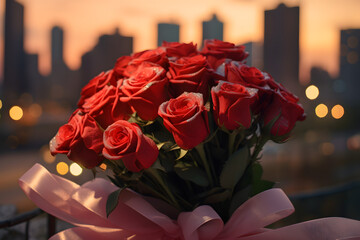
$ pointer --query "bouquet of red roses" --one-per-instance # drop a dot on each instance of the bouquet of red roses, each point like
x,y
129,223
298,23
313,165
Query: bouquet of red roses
x,y
181,125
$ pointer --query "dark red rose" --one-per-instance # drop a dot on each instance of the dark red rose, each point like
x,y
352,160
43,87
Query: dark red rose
x,y
125,141
96,84
186,118
178,50
251,77
106,107
217,51
189,74
285,111
81,139
145,90
157,56
232,104
248,76
121,64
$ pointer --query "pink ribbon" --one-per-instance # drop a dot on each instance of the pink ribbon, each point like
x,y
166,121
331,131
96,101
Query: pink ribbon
x,y
135,218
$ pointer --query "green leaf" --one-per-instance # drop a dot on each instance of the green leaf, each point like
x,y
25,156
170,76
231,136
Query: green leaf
x,y
239,198
112,201
257,172
160,145
157,165
218,197
182,154
188,171
261,186
234,168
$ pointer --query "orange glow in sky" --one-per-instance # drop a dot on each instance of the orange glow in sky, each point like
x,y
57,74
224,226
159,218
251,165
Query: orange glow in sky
x,y
84,21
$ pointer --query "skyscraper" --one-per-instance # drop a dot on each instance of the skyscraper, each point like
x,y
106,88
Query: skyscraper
x,y
61,77
104,55
281,45
350,66
168,32
57,48
15,82
213,29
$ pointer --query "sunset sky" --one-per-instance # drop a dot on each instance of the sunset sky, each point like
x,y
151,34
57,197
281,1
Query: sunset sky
x,y
85,20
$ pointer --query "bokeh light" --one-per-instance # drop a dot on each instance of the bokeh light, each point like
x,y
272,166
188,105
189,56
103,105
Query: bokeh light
x,y
321,110
353,143
327,148
75,169
16,113
312,92
0,104
103,166
337,111
35,110
62,168
352,57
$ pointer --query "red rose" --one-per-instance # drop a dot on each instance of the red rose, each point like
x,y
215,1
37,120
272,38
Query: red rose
x,y
248,76
80,139
105,106
178,50
125,141
285,110
96,84
121,64
186,118
217,51
157,56
145,90
232,104
189,74
253,78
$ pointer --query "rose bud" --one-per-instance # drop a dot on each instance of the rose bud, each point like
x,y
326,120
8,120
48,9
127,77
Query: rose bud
x,y
186,118
145,90
80,139
106,107
125,141
189,74
232,104
282,113
217,52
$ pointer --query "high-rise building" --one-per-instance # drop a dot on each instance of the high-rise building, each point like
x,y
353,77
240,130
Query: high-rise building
x,y
57,48
168,32
61,77
15,82
213,29
104,55
281,45
349,77
255,50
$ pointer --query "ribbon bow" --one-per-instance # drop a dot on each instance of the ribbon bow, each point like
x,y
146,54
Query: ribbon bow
x,y
135,218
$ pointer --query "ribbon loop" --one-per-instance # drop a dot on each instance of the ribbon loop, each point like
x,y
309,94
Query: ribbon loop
x,y
135,218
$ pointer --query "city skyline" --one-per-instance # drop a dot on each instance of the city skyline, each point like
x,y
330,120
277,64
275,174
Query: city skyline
x,y
319,29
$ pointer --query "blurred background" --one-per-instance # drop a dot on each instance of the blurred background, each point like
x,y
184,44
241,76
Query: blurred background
x,y
50,49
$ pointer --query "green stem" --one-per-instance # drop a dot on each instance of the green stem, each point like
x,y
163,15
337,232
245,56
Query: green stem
x,y
160,181
231,143
200,149
259,146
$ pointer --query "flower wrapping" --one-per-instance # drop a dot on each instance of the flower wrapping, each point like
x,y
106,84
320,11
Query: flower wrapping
x,y
136,218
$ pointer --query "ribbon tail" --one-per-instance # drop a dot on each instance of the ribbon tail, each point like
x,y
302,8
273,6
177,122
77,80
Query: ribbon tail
x,y
319,229
80,233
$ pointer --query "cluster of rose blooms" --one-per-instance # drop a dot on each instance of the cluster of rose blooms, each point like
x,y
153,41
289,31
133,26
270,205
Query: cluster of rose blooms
x,y
187,91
